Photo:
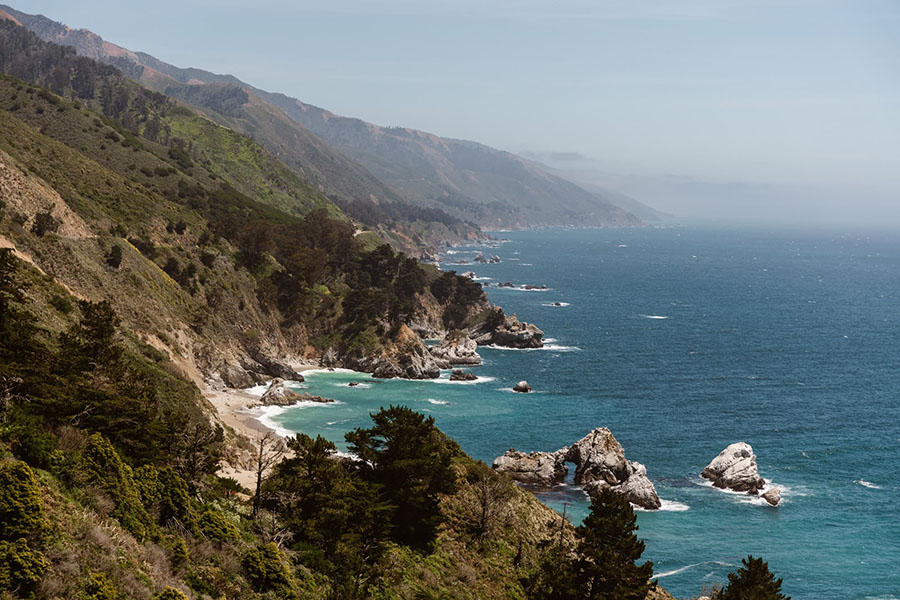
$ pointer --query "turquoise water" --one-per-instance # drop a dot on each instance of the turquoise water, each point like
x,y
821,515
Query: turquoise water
x,y
786,340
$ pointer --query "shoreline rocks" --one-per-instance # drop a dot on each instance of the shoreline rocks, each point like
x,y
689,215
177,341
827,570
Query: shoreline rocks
x,y
499,329
537,468
735,469
522,387
456,348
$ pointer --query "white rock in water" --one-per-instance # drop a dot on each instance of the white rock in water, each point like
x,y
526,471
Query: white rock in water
x,y
735,469
598,455
522,387
773,496
543,468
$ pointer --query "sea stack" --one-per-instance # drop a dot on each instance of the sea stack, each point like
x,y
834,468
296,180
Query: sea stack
x,y
600,464
735,469
522,387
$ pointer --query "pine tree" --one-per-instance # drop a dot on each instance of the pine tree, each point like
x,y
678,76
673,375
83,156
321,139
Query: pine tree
x,y
753,581
608,550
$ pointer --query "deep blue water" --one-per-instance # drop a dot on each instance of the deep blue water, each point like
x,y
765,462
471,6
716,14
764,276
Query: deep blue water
x,y
786,340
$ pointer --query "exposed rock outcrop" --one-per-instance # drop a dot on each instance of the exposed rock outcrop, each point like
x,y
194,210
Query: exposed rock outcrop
x,y
600,463
735,469
522,387
456,349
773,496
540,468
501,330
460,375
279,394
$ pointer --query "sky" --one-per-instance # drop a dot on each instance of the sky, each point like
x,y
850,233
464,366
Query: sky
x,y
799,92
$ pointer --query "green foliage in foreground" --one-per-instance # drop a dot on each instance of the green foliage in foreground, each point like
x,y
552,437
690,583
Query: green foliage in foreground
x,y
753,581
605,567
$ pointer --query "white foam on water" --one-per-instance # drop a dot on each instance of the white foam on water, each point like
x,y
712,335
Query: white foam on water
x,y
257,390
867,484
436,401
673,506
758,500
334,370
548,347
666,506
558,305
265,417
447,380
654,317
622,246
677,571
527,264
362,386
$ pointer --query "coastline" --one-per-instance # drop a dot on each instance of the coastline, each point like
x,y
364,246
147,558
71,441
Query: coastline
x,y
232,411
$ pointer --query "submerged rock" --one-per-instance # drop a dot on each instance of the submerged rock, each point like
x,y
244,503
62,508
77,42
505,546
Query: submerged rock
x,y
735,469
457,348
540,468
522,387
773,496
460,375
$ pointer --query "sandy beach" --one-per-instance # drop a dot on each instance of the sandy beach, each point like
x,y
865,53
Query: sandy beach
x,y
232,408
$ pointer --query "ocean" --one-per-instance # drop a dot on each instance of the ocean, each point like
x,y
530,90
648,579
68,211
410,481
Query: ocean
x,y
683,340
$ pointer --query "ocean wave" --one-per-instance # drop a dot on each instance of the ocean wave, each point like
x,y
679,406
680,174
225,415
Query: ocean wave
x,y
666,506
359,385
524,289
758,500
691,566
265,416
436,401
548,347
654,317
333,370
557,304
447,380
867,484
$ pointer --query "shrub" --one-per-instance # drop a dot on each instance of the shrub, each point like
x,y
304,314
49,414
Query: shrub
x,y
180,554
102,466
267,570
216,527
21,508
62,304
170,594
45,223
98,587
174,502
21,567
114,258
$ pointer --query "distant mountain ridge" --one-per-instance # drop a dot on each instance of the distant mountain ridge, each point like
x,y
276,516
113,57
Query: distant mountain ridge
x,y
352,160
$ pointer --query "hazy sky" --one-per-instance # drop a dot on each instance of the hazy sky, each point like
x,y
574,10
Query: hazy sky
x,y
784,91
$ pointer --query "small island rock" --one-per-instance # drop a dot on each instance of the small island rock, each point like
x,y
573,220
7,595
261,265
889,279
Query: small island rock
x,y
522,387
773,496
278,394
735,469
460,375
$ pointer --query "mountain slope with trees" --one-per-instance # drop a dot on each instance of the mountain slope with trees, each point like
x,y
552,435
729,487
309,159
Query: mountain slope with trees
x,y
467,180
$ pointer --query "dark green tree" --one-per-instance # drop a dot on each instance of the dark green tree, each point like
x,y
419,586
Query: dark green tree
x,y
753,581
608,550
410,459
